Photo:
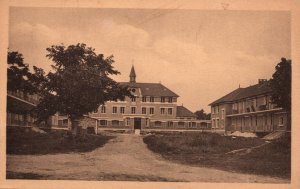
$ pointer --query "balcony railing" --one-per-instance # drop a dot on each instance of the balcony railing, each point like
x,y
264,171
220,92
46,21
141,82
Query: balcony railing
x,y
26,97
262,107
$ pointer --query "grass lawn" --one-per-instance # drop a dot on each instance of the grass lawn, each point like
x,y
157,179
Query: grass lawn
x,y
25,142
209,150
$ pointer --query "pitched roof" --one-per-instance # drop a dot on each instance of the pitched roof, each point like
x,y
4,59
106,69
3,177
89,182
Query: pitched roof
x,y
184,112
151,89
242,93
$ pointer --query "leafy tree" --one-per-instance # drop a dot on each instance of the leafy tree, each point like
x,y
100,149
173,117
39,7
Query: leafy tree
x,y
18,74
281,86
19,78
78,84
201,115
208,116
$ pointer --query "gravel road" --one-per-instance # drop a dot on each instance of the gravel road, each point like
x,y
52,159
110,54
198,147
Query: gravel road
x,y
125,157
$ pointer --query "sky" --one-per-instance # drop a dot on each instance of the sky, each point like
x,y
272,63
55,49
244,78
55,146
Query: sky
x,y
199,54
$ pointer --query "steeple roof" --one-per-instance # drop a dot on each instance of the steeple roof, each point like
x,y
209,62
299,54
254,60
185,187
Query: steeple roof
x,y
132,72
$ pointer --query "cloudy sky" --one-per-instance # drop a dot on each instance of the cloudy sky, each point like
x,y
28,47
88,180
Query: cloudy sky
x,y
200,55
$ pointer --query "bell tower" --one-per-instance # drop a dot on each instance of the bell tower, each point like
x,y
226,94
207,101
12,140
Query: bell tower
x,y
132,75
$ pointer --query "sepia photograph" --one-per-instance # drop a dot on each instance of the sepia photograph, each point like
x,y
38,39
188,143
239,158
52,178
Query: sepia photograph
x,y
149,94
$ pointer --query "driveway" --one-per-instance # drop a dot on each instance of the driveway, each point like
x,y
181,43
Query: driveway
x,y
125,157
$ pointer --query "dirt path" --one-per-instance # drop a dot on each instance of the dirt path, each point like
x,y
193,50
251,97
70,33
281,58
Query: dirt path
x,y
124,158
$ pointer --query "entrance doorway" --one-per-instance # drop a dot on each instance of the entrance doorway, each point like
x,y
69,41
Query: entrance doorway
x,y
137,123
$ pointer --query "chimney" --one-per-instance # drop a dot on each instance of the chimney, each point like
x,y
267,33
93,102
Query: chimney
x,y
262,81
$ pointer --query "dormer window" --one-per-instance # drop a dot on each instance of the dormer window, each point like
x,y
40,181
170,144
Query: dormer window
x,y
103,109
114,110
162,99
170,99
151,99
133,99
144,99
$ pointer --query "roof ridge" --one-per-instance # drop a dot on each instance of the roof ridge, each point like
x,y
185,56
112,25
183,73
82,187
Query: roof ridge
x,y
242,93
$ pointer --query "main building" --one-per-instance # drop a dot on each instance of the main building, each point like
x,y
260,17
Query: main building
x,y
153,106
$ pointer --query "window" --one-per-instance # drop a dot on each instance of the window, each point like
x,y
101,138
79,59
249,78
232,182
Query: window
x,y
234,121
60,123
21,117
133,99
281,121
151,99
170,124
151,110
133,110
144,99
218,109
265,100
157,123
115,122
223,114
217,123
234,106
122,110
63,123
271,119
103,109
170,100
102,122
114,110
127,121
144,110
170,111
162,99
162,111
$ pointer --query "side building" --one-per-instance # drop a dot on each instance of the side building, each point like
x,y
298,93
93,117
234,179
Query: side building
x,y
248,109
19,107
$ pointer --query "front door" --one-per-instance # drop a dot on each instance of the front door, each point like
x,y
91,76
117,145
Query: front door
x,y
137,123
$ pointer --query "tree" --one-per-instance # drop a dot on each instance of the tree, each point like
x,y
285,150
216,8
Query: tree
x,y
18,74
201,115
19,78
281,86
78,84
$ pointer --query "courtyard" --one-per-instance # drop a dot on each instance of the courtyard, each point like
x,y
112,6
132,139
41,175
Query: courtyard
x,y
123,157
